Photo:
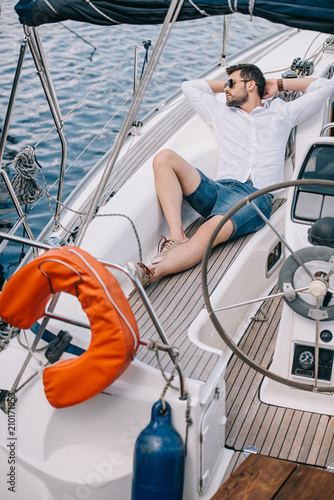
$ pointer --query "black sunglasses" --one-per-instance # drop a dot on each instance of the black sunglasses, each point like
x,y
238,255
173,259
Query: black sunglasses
x,y
230,83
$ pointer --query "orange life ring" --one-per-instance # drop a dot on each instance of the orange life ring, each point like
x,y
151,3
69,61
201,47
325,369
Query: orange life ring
x,y
115,336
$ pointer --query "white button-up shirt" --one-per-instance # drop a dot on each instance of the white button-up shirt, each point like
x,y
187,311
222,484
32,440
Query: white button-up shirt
x,y
253,144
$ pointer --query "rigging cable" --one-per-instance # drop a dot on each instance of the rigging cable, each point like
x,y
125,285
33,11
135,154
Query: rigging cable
x,y
81,38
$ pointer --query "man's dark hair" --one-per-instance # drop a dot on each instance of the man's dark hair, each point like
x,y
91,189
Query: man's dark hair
x,y
250,72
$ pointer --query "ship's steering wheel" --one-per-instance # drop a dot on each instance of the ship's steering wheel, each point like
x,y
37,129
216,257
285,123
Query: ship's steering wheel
x,y
304,281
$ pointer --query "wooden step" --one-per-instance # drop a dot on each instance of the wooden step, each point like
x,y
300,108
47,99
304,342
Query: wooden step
x,y
265,478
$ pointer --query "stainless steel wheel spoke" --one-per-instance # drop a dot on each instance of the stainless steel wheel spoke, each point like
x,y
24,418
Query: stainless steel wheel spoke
x,y
260,299
329,275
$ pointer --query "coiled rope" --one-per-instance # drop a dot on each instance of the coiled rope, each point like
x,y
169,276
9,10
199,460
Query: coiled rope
x,y
24,183
28,190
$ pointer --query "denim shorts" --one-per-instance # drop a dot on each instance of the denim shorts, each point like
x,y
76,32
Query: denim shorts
x,y
218,197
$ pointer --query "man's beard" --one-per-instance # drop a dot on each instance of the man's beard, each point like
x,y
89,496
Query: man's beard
x,y
237,101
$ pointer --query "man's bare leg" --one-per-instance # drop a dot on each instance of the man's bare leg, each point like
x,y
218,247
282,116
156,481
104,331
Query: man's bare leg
x,y
191,253
174,177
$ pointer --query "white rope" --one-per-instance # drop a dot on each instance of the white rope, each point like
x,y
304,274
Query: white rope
x,y
232,9
308,48
201,11
251,8
50,6
313,56
102,13
24,183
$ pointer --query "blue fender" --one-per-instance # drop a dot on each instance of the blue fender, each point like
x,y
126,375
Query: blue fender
x,y
158,459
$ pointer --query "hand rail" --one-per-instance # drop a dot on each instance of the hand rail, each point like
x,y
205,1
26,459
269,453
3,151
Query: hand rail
x,y
42,69
23,50
326,127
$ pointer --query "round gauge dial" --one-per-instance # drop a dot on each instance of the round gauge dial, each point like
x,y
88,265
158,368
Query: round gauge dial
x,y
306,359
326,335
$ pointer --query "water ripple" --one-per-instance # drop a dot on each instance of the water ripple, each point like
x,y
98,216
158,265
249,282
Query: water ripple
x,y
76,67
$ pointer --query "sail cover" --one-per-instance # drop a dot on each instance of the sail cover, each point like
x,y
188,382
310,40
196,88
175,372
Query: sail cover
x,y
315,15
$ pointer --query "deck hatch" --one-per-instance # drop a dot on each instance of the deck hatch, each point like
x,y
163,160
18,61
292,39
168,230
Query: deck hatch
x,y
212,439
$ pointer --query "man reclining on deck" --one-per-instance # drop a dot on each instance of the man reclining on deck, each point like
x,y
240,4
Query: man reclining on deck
x,y
251,137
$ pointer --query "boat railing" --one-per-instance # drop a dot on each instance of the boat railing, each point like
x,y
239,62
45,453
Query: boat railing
x,y
42,69
22,220
33,41
325,128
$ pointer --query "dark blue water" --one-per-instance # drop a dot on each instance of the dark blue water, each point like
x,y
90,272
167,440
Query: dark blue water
x,y
77,62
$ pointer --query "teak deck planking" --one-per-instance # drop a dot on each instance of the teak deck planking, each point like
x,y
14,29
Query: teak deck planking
x,y
283,433
264,478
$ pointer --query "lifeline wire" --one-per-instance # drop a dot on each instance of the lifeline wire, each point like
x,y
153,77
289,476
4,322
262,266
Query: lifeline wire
x,y
90,143
28,190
